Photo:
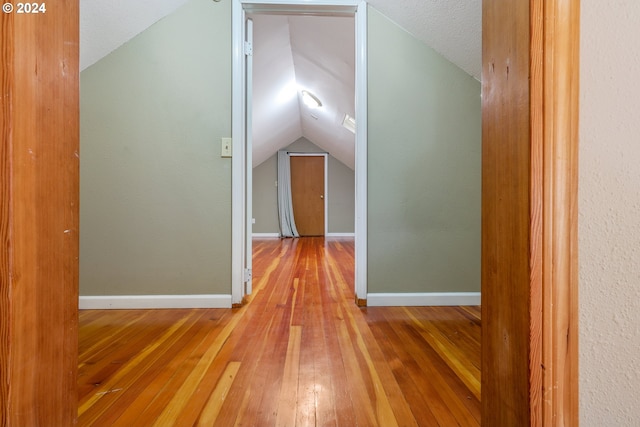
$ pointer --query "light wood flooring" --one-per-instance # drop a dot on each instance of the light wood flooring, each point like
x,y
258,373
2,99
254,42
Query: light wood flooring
x,y
299,353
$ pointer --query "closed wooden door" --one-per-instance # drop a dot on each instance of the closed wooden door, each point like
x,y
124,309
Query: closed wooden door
x,y
307,194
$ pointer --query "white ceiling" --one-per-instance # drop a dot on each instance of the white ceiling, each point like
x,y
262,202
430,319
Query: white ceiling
x,y
299,52
106,25
292,53
453,28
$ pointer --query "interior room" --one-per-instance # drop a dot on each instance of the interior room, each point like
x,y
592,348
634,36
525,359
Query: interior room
x,y
155,210
127,106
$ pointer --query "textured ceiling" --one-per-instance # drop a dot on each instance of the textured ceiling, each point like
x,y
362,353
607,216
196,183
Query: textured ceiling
x,y
106,25
453,28
302,52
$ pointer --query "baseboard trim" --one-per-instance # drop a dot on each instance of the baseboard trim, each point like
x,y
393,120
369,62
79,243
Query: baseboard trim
x,y
116,302
423,299
276,235
264,235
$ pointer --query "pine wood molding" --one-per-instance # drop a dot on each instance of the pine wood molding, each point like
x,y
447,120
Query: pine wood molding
x,y
529,227
558,103
39,216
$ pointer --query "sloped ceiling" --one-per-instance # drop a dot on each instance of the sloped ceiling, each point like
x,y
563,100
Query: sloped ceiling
x,y
301,52
453,28
295,53
106,25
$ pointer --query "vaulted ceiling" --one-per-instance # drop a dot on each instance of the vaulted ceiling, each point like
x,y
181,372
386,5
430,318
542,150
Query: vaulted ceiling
x,y
292,53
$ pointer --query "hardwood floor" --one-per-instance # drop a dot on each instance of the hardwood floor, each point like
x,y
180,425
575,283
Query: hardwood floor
x,y
299,353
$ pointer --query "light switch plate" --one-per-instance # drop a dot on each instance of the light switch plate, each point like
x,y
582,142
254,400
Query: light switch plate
x,y
225,150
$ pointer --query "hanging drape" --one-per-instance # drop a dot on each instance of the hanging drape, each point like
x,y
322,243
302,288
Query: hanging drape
x,y
285,206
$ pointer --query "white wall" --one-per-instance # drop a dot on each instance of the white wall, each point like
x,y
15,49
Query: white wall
x,y
609,223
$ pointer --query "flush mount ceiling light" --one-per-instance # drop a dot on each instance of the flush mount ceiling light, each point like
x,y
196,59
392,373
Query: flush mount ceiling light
x,y
310,100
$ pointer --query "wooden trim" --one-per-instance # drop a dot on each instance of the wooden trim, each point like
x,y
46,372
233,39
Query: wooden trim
x,y
559,252
529,226
39,167
505,213
6,118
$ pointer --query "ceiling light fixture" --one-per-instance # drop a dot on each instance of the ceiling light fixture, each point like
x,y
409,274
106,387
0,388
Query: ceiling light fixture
x,y
310,100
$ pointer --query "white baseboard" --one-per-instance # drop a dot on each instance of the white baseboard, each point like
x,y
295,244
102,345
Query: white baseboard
x,y
264,235
341,235
154,301
423,299
271,235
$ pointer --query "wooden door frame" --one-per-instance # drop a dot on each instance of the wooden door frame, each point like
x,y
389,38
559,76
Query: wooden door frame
x,y
39,194
530,89
39,262
326,183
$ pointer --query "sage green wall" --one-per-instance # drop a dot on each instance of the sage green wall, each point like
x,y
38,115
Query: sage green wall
x,y
155,211
155,194
341,198
424,161
265,196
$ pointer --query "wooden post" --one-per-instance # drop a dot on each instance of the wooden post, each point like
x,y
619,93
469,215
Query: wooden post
x,y
529,225
39,168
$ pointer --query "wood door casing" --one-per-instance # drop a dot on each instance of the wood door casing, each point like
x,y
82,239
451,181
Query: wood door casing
x,y
39,199
307,194
529,213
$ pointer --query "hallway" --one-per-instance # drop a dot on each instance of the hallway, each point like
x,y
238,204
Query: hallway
x,y
298,353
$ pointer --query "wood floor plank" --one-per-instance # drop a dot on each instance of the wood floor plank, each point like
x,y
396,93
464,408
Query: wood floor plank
x,y
453,355
299,353
183,394
415,386
162,391
154,377
288,402
98,402
217,398
363,402
450,388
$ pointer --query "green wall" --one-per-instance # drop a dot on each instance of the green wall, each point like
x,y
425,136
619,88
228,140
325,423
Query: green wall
x,y
424,167
155,194
155,214
341,197
265,196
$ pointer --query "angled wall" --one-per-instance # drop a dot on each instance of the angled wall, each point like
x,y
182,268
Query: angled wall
x,y
341,197
424,160
155,194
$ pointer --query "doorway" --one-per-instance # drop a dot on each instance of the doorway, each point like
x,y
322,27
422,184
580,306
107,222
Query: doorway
x,y
308,193
242,133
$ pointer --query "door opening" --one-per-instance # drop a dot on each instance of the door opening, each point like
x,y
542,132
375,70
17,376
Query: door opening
x,y
241,130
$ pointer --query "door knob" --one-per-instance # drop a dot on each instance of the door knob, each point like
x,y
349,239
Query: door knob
x,y
321,196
